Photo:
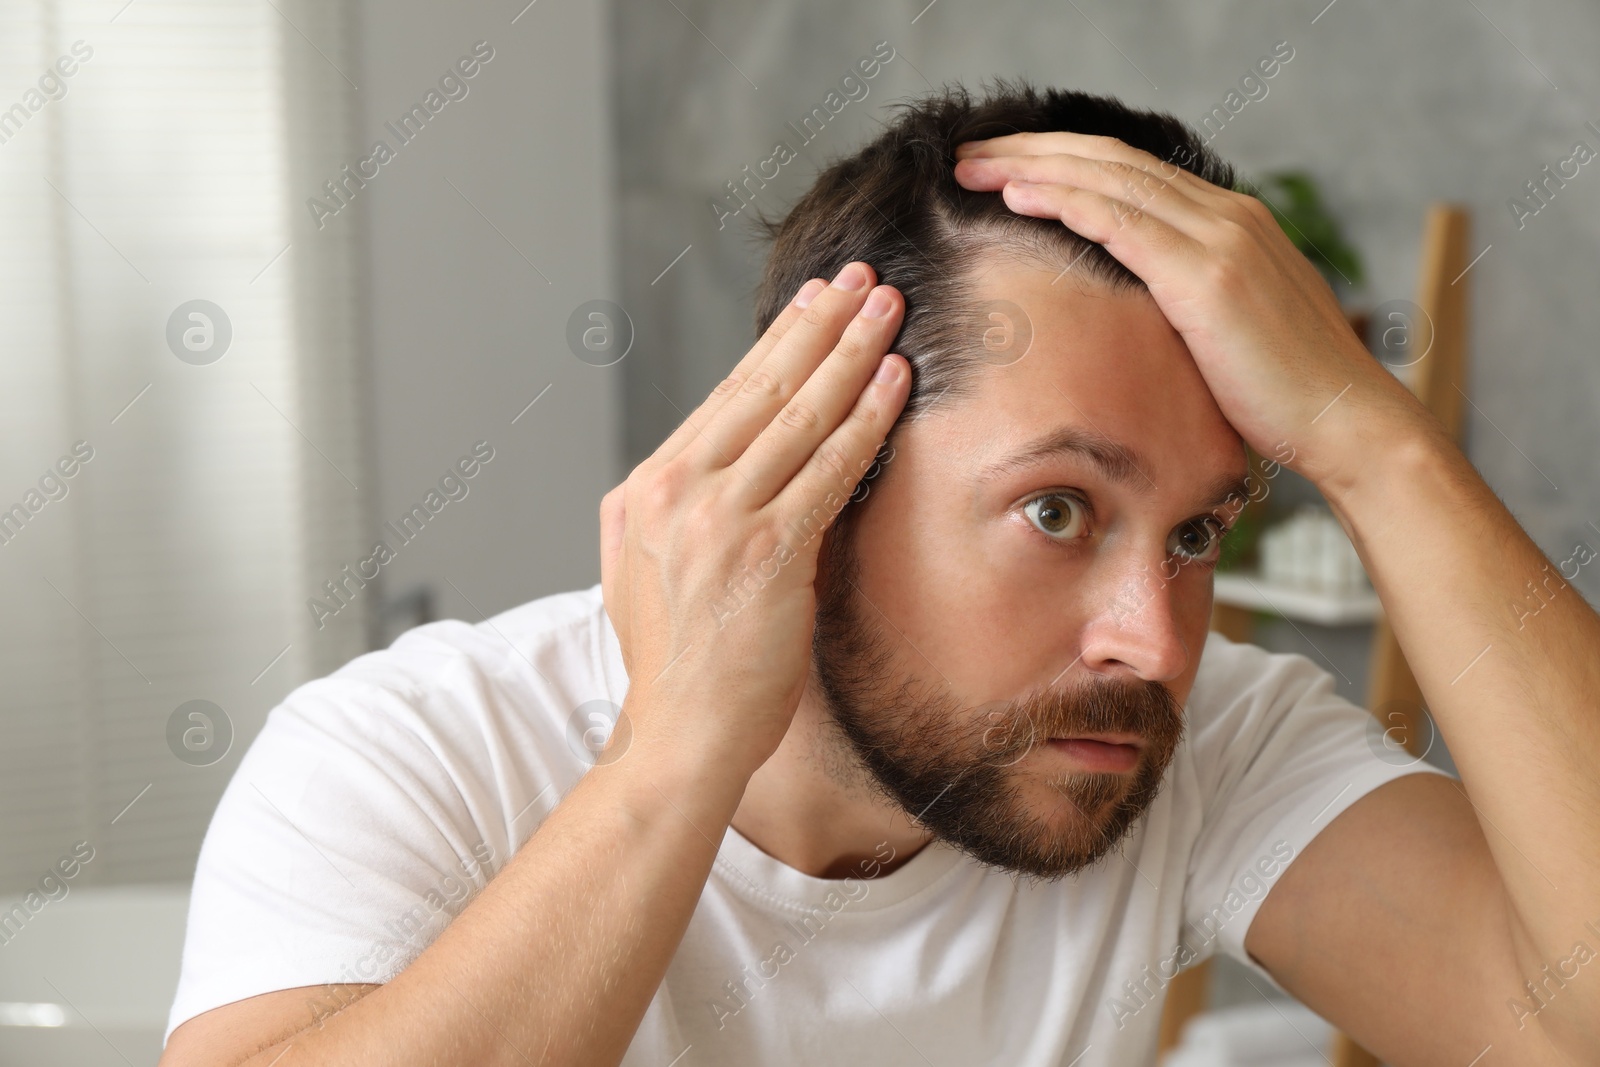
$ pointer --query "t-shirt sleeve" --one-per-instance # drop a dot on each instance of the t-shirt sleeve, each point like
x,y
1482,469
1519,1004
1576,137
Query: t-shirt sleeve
x,y
357,825
319,866
1279,754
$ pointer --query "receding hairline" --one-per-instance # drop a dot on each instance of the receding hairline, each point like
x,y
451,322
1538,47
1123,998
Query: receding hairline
x,y
1066,258
987,244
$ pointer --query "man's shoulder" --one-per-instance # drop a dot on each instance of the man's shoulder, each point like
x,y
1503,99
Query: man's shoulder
x,y
1257,719
561,636
527,669
1238,679
358,799
1246,698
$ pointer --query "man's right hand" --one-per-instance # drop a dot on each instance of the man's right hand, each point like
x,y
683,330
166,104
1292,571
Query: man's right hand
x,y
564,949
709,548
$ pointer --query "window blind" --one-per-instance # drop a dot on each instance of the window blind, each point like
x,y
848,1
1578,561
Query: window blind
x,y
155,157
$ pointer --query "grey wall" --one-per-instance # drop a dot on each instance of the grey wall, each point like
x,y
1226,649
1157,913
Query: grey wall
x,y
1390,106
484,234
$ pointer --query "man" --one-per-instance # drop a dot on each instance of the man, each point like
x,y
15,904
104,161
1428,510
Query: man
x,y
924,754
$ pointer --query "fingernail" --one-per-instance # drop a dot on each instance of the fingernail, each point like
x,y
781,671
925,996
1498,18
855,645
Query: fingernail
x,y
888,371
854,276
878,303
808,292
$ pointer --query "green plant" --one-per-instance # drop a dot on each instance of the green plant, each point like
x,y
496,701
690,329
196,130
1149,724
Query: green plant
x,y
1295,201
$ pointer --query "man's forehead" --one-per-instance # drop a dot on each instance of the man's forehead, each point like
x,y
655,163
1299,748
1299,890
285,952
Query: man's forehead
x,y
1105,381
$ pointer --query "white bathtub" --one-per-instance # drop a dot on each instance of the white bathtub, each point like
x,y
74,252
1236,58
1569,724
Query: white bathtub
x,y
88,981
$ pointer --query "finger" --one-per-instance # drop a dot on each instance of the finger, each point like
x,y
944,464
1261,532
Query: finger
x,y
764,392
613,520
792,437
812,499
690,427
1043,143
1218,207
1056,142
1141,242
1120,181
613,570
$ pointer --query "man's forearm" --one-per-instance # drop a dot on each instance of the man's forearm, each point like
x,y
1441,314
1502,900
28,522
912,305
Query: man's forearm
x,y
556,961
1507,655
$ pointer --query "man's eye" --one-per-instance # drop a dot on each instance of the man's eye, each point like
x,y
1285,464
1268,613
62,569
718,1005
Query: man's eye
x,y
1198,541
1056,515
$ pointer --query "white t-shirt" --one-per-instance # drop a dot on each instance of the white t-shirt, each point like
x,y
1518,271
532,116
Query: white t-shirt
x,y
376,801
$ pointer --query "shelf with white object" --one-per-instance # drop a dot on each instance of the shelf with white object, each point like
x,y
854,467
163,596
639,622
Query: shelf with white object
x,y
1310,550
1241,589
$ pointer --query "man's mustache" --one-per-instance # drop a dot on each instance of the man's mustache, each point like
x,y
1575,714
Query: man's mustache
x,y
1147,710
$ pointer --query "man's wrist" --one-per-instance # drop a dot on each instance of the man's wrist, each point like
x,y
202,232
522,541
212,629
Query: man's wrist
x,y
1376,445
653,790
1408,460
671,761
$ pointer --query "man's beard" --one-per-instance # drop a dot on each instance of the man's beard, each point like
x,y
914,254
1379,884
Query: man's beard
x,y
951,767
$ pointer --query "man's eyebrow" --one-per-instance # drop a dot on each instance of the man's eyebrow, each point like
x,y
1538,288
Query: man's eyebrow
x,y
1115,461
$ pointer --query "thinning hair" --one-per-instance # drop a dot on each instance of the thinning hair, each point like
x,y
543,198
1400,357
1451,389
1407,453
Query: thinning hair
x,y
896,205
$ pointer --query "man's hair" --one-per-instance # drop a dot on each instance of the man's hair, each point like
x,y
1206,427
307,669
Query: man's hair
x,y
896,205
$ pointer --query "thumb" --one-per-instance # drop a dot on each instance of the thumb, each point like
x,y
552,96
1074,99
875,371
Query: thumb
x,y
613,576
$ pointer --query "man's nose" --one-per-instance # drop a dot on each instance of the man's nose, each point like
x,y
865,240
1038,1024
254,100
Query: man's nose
x,y
1133,628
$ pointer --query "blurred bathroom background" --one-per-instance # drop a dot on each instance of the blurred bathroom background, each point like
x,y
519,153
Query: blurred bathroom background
x,y
238,344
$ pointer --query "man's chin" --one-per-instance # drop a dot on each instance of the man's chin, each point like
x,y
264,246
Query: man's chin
x,y
1079,800
1045,855
1059,824
1082,810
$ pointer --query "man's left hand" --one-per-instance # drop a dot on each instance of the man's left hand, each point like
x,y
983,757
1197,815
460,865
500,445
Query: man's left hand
x,y
1266,331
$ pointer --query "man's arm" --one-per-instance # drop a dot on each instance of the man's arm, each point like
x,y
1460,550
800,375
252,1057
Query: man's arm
x,y
557,960
1417,913
1512,854
554,962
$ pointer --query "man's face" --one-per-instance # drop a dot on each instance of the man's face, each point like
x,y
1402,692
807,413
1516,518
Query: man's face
x,y
1026,594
